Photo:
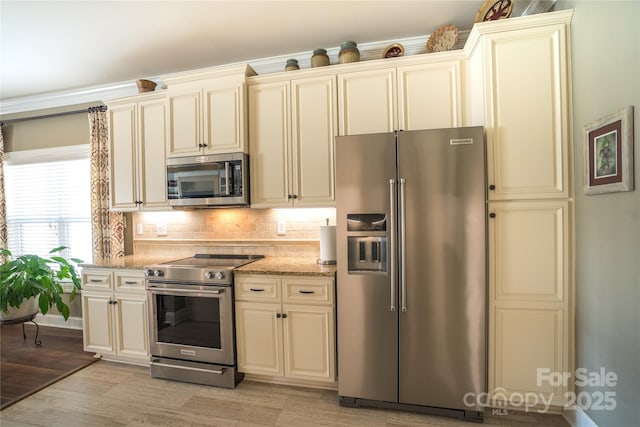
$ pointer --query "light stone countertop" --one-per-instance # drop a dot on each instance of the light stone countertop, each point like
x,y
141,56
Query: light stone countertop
x,y
299,266
133,262
287,265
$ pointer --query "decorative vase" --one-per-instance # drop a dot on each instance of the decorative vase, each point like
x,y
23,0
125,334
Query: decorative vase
x,y
319,58
26,309
292,64
348,52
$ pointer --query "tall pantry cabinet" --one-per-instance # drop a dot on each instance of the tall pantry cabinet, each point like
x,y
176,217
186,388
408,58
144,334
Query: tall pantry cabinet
x,y
520,91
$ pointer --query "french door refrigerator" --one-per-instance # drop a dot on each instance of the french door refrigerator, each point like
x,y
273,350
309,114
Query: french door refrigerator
x,y
411,284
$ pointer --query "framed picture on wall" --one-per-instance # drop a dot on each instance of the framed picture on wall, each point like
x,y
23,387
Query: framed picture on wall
x,y
608,153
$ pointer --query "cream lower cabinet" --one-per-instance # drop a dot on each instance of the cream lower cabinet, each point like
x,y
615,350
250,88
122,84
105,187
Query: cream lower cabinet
x,y
292,125
114,314
529,304
285,328
410,97
137,135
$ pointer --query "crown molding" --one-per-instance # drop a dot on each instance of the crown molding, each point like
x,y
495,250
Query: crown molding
x,y
259,66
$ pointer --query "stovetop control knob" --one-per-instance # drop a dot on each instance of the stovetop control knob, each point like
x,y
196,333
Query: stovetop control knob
x,y
148,272
218,275
158,273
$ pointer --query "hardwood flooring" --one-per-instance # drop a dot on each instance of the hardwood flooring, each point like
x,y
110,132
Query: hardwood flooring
x,y
113,394
26,367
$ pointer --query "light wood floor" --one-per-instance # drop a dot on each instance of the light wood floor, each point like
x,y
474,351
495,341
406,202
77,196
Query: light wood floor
x,y
112,394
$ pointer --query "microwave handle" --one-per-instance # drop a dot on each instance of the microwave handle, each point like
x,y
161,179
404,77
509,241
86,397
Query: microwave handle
x,y
226,179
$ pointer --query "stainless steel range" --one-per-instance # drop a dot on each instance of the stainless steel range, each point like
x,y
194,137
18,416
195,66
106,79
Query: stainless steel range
x,y
191,327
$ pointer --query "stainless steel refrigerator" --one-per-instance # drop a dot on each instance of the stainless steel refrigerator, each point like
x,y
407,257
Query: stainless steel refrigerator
x,y
411,233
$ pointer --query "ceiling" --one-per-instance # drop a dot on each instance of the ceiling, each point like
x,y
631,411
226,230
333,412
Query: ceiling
x,y
54,46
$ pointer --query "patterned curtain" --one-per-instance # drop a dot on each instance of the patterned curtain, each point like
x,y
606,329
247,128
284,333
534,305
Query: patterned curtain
x,y
3,207
107,227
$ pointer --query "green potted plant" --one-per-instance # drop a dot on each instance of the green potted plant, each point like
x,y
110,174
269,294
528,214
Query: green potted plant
x,y
31,279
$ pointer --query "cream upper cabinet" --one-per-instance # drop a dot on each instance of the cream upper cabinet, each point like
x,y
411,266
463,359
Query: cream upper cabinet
x,y
410,97
137,135
207,116
530,294
285,327
430,96
526,96
292,125
367,101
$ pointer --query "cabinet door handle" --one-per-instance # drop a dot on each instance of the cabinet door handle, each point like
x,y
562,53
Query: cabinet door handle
x,y
307,292
278,315
294,196
284,315
492,187
492,215
256,289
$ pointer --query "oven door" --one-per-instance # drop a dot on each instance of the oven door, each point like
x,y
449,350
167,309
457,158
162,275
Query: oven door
x,y
191,323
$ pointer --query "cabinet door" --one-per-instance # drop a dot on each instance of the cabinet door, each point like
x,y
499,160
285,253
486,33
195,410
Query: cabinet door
x,y
313,103
309,342
528,296
259,338
429,96
131,325
367,102
122,157
224,116
152,164
97,322
185,114
269,148
527,113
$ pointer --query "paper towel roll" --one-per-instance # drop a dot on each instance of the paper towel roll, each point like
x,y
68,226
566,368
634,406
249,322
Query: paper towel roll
x,y
327,243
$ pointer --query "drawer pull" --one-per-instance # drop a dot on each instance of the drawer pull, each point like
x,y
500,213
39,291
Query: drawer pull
x,y
130,282
307,292
256,289
96,280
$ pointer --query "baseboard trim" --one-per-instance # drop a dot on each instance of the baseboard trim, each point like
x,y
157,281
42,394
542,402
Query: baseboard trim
x,y
578,418
58,321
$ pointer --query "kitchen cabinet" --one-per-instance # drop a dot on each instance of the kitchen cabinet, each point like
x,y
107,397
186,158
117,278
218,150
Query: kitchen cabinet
x,y
292,125
530,199
529,290
137,134
527,116
285,328
410,97
114,307
207,116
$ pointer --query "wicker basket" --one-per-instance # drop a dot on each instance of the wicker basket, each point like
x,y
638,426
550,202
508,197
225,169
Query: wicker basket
x,y
146,85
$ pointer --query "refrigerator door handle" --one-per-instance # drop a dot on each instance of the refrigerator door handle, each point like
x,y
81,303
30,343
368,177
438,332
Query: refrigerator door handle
x,y
392,241
403,248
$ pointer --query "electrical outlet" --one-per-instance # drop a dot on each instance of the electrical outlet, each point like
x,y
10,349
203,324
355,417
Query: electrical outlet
x,y
140,228
161,229
282,228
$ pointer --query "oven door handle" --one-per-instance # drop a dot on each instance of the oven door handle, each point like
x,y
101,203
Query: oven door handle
x,y
176,291
189,368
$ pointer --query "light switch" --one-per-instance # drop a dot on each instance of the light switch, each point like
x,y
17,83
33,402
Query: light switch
x,y
140,228
282,228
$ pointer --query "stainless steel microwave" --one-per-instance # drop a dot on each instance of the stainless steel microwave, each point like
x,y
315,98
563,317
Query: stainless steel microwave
x,y
208,181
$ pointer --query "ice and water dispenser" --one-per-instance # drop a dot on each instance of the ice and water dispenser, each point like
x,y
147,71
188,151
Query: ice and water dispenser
x,y
367,243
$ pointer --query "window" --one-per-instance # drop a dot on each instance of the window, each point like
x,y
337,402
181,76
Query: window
x,y
48,195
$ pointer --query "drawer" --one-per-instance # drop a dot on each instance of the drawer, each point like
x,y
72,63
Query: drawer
x,y
307,290
96,279
129,280
257,288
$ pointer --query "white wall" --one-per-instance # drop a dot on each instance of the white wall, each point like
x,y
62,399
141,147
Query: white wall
x,y
606,77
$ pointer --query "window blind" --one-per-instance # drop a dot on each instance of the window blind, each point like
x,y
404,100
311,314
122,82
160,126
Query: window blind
x,y
49,205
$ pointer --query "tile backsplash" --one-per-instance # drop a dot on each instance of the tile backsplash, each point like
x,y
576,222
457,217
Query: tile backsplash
x,y
233,230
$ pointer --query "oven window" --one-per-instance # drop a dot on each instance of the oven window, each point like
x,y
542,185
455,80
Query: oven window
x,y
188,320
